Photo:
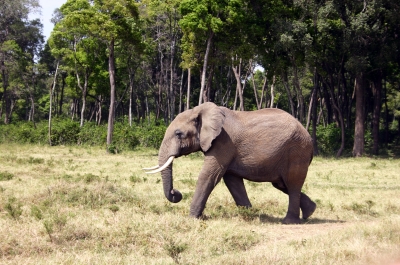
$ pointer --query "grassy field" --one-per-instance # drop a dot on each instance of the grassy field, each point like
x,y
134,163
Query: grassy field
x,y
70,205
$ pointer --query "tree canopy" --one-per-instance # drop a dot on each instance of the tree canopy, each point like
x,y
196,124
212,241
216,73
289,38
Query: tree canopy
x,y
334,65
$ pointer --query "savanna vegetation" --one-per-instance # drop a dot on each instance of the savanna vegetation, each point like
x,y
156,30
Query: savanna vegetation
x,y
124,66
81,205
113,74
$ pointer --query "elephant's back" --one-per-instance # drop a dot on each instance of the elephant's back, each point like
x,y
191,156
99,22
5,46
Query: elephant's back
x,y
266,143
271,129
270,121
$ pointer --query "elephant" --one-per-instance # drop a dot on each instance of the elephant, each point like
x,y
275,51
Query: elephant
x,y
267,145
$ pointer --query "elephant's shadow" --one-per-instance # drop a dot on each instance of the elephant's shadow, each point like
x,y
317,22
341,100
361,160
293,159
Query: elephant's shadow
x,y
270,219
265,218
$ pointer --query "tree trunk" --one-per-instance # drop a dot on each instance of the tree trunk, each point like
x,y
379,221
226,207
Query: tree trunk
x,y
130,99
299,93
111,114
377,92
286,85
272,91
225,98
5,93
314,114
180,92
262,92
147,111
63,76
51,99
188,90
237,73
386,116
171,97
203,73
99,112
207,89
84,94
358,147
330,88
314,125
255,91
312,103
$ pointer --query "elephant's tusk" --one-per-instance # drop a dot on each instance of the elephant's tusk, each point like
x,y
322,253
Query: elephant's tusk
x,y
150,168
169,161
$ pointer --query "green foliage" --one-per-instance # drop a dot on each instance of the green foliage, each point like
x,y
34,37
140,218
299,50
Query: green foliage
x,y
92,135
328,138
151,136
67,132
125,137
64,132
22,132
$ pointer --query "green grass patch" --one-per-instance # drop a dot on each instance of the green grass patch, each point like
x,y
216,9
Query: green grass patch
x,y
6,176
76,204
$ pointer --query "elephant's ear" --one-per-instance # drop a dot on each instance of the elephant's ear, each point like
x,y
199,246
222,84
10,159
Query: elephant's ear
x,y
211,119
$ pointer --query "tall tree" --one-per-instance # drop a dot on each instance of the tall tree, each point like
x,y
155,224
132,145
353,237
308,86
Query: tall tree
x,y
80,52
201,20
163,30
110,22
17,32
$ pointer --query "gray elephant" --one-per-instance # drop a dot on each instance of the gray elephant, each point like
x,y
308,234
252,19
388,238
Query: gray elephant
x,y
267,145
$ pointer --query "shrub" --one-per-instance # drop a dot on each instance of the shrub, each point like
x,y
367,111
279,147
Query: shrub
x,y
64,132
67,132
125,137
151,136
328,139
92,134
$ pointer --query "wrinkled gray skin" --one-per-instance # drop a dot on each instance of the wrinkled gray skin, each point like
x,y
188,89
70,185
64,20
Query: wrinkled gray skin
x,y
267,145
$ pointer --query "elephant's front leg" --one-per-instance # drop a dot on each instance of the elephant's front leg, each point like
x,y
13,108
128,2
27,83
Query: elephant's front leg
x,y
236,187
209,177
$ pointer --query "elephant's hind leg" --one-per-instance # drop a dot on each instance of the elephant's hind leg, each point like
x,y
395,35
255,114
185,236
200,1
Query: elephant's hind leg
x,y
307,206
293,213
237,189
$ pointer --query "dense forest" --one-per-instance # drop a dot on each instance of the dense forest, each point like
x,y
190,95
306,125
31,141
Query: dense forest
x,y
334,65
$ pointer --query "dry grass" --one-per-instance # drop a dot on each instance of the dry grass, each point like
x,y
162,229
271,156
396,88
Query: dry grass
x,y
68,205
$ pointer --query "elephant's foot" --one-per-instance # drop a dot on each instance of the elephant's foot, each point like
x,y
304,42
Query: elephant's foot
x,y
307,208
290,220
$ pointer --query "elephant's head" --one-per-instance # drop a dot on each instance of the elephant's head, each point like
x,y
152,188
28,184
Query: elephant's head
x,y
191,131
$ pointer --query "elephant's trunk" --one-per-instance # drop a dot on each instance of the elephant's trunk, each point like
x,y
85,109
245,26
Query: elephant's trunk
x,y
171,194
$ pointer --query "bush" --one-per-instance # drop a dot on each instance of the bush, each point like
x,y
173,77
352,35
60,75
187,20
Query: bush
x,y
328,138
23,132
125,137
68,132
64,132
92,134
151,136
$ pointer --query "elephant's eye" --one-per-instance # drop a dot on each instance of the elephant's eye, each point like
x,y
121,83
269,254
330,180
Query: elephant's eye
x,y
178,134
